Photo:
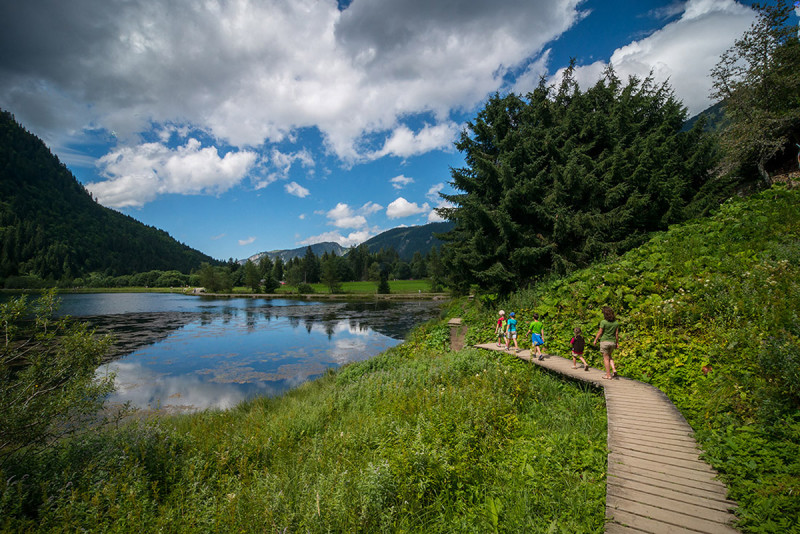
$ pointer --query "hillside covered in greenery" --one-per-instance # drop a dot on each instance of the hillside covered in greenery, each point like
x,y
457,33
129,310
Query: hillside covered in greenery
x,y
710,314
51,228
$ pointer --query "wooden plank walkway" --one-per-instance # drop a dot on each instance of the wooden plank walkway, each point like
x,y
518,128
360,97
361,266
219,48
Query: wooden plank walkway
x,y
656,481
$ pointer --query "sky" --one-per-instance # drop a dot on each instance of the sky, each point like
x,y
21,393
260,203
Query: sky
x,y
242,126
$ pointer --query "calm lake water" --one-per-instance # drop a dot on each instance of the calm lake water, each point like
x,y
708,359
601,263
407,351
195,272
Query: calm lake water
x,y
183,353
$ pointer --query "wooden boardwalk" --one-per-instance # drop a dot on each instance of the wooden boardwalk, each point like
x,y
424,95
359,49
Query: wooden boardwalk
x,y
656,481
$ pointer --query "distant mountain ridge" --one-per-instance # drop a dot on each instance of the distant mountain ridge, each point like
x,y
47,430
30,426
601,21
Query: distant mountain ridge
x,y
288,254
51,227
406,240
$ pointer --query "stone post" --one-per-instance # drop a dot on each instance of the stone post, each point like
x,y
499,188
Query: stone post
x,y
458,332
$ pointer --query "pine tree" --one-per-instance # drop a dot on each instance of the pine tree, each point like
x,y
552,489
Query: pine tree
x,y
561,178
758,79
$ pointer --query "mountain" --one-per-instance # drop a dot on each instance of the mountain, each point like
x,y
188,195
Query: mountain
x,y
51,227
405,240
714,115
317,248
410,239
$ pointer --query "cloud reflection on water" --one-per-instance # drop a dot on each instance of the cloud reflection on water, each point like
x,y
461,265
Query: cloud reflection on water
x,y
233,353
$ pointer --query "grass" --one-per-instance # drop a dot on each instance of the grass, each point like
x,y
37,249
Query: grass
x,y
366,288
417,439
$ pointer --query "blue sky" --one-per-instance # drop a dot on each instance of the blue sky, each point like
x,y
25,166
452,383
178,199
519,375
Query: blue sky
x,y
244,126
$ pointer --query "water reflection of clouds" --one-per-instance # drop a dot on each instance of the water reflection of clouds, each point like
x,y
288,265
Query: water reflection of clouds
x,y
144,389
230,353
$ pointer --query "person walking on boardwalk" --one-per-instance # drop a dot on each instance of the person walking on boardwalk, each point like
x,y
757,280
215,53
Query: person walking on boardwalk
x,y
536,330
511,333
608,335
500,329
578,343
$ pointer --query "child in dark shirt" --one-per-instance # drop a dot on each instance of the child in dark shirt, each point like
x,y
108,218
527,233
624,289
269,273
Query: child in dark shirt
x,y
578,345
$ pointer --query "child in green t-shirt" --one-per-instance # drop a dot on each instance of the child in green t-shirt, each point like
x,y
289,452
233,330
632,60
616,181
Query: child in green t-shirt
x,y
536,330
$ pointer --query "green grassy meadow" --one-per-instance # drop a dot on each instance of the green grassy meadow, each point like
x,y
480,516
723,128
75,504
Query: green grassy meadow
x,y
363,288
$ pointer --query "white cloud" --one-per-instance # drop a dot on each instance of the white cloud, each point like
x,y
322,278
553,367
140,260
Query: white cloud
x,y
433,192
217,237
403,208
352,239
529,79
249,73
369,208
683,52
404,143
293,188
399,182
342,216
136,175
433,196
243,242
302,216
284,161
435,217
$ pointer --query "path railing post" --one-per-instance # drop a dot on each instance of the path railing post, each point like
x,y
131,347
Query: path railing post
x,y
458,333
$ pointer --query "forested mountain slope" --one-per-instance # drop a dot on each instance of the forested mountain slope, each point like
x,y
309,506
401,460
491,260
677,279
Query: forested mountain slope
x,y
50,226
410,239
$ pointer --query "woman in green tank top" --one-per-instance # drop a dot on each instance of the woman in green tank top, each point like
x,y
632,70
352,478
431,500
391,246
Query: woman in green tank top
x,y
608,335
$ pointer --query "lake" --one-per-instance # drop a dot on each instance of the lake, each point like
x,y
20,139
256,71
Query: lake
x,y
185,353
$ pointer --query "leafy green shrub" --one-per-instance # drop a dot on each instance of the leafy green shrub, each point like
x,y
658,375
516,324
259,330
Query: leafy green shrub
x,y
305,289
48,385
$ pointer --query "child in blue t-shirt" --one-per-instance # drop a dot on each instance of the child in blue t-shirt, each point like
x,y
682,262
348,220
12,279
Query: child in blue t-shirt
x,y
511,331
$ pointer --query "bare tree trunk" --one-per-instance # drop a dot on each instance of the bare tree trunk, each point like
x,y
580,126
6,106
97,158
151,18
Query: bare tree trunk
x,y
764,174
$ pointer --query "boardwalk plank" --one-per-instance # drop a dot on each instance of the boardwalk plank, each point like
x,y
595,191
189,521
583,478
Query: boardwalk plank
x,y
657,487
668,517
695,509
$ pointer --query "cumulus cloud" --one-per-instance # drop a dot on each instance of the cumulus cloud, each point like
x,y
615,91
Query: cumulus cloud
x,y
250,73
350,240
405,143
293,188
369,208
399,182
682,52
136,175
284,161
433,192
342,216
243,242
403,208
433,196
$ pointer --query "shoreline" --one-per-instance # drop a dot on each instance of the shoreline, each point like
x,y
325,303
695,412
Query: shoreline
x,y
297,296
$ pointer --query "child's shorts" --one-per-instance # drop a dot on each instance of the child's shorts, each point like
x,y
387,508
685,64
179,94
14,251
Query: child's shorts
x,y
537,340
512,335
